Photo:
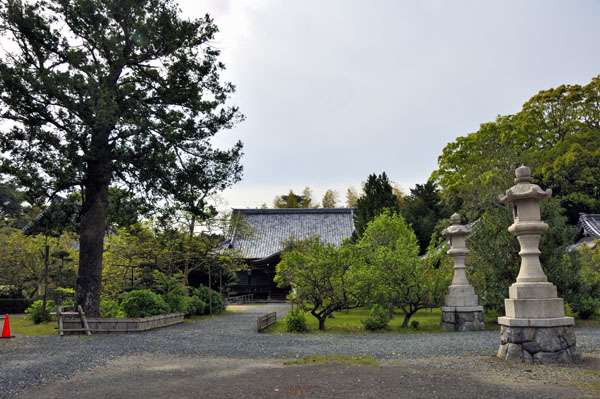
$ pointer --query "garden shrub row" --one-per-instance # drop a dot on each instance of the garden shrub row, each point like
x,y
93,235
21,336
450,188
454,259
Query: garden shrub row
x,y
146,303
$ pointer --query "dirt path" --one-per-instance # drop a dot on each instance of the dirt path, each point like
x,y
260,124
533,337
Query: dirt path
x,y
465,377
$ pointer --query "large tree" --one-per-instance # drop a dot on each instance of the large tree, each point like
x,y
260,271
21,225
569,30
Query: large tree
x,y
112,91
556,134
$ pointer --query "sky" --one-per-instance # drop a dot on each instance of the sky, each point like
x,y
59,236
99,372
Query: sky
x,y
335,90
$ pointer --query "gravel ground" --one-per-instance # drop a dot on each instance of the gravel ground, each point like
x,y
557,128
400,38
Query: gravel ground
x,y
28,362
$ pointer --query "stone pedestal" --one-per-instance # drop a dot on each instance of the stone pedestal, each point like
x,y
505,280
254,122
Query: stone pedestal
x,y
461,312
462,318
535,328
542,345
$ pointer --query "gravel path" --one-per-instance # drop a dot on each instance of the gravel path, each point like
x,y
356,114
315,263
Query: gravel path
x,y
27,362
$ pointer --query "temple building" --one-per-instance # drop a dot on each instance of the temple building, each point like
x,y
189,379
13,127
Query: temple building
x,y
589,230
269,229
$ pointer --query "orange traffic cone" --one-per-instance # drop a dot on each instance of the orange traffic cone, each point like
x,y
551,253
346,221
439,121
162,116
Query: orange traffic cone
x,y
6,329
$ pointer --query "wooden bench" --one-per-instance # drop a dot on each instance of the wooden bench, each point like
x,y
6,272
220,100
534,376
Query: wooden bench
x,y
265,321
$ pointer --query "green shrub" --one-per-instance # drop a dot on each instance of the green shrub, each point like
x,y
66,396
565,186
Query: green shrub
x,y
34,312
295,321
378,318
204,293
415,325
176,302
111,308
193,306
143,303
585,307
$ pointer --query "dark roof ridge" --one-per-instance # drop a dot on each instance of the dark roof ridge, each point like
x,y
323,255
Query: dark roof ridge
x,y
293,210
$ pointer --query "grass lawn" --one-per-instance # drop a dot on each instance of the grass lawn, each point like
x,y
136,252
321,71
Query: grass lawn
x,y
429,320
350,323
26,327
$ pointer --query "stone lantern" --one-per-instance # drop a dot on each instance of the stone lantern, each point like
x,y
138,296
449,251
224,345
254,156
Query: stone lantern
x,y
461,312
535,328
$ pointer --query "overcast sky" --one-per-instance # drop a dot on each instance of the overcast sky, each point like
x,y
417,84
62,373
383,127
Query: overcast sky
x,y
334,90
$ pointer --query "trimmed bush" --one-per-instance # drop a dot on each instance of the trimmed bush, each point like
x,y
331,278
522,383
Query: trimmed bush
x,y
204,293
111,308
585,307
295,321
378,318
175,302
193,306
143,303
34,312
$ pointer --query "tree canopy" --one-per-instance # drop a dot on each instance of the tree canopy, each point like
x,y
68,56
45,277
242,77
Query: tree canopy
x,y
292,200
556,134
378,195
106,91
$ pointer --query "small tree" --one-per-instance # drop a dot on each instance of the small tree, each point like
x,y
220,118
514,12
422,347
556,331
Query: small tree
x,y
322,276
330,199
396,275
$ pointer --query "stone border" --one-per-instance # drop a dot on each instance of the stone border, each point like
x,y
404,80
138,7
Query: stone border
x,y
115,325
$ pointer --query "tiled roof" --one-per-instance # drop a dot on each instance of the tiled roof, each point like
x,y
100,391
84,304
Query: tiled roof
x,y
272,227
590,223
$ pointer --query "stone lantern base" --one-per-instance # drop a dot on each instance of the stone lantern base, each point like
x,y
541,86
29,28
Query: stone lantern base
x,y
540,341
462,318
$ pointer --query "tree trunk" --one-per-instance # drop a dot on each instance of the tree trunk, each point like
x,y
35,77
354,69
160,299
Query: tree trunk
x,y
390,310
322,323
186,265
91,239
210,304
407,317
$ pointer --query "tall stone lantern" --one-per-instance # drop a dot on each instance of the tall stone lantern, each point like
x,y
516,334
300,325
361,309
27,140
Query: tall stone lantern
x,y
461,312
535,329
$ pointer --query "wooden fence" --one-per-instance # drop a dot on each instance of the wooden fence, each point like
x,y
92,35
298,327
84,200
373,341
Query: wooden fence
x,y
265,321
241,299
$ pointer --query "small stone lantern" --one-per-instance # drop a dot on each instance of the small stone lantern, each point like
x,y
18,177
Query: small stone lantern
x,y
535,329
461,312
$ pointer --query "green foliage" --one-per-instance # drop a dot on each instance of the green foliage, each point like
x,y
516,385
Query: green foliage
x,y
377,319
171,290
323,277
330,199
589,294
415,325
556,134
292,200
378,194
494,262
586,307
101,112
393,271
193,306
205,294
34,312
295,321
111,308
143,303
423,210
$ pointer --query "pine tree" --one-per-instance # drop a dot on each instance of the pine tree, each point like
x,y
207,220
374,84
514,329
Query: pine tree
x,y
112,91
378,195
